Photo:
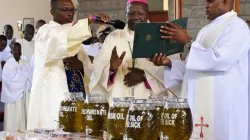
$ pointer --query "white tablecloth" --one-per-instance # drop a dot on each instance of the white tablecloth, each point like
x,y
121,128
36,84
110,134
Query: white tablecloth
x,y
14,135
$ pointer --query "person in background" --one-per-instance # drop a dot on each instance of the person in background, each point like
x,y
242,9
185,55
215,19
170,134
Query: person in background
x,y
8,32
27,43
88,47
17,79
3,56
102,32
93,48
39,24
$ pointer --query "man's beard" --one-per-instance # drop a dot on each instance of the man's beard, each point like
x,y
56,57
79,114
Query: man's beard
x,y
131,26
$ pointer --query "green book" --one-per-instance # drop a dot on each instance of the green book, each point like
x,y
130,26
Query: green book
x,y
148,41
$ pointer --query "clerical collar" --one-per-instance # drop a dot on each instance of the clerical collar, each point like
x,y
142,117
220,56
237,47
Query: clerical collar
x,y
223,16
54,24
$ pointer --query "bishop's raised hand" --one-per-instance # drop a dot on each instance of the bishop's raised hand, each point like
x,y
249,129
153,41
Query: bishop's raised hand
x,y
115,60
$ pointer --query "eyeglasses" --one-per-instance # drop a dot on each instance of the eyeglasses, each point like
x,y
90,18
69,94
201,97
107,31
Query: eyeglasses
x,y
67,11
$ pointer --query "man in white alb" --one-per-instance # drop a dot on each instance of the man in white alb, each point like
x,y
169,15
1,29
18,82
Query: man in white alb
x,y
27,43
8,32
216,73
56,41
17,79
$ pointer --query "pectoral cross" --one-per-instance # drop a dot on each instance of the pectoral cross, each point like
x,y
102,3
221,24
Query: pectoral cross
x,y
201,125
133,88
133,66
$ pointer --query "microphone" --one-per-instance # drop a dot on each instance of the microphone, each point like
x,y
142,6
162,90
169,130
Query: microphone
x,y
115,23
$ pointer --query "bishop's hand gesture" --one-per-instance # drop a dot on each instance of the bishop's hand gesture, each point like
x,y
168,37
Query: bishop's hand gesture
x,y
115,60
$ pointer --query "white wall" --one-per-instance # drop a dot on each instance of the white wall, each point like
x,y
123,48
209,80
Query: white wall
x,y
165,5
12,11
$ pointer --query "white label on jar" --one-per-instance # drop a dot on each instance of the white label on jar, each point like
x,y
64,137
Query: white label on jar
x,y
166,119
116,116
100,112
68,109
134,121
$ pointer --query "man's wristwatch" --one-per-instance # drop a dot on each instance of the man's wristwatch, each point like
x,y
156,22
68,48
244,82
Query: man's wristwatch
x,y
189,44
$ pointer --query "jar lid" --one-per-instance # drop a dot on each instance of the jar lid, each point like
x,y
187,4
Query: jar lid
x,y
143,101
43,130
98,98
181,100
73,95
123,99
157,98
172,100
60,134
95,95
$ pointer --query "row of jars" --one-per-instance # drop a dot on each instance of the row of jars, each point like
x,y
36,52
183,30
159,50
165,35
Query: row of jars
x,y
127,118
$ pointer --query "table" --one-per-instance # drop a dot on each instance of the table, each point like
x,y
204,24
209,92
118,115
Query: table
x,y
30,135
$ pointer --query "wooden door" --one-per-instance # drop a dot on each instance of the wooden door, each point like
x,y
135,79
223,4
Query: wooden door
x,y
158,16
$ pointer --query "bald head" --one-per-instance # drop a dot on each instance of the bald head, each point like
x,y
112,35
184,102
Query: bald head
x,y
216,8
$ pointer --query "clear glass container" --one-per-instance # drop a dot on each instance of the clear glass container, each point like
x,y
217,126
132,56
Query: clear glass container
x,y
176,120
70,117
159,103
117,117
95,114
141,123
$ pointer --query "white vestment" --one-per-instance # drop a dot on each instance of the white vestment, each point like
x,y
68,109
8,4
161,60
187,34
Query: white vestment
x,y
99,80
17,79
4,56
7,49
28,47
54,42
32,62
216,79
92,49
